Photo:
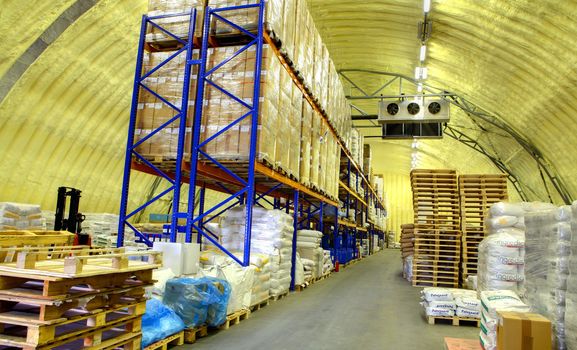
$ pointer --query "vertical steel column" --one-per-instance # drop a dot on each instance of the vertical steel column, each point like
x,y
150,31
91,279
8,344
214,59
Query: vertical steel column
x,y
321,226
130,138
250,193
182,130
294,242
202,196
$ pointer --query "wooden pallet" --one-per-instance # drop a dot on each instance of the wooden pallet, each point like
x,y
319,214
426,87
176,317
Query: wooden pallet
x,y
84,300
455,320
21,329
435,283
279,297
192,334
56,288
175,339
234,319
80,263
260,305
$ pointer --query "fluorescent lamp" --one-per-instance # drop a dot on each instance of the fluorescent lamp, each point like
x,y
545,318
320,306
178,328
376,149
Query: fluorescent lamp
x,y
421,73
423,53
427,6
420,87
417,73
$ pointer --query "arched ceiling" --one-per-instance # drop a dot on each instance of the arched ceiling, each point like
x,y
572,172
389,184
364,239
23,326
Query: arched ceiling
x,y
514,58
64,120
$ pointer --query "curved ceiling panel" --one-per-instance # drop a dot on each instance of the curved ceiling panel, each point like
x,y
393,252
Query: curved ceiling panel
x,y
22,22
64,122
514,58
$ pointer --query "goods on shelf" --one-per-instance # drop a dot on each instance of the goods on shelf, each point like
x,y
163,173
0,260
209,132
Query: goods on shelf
x,y
312,256
493,302
477,194
448,302
260,291
20,216
271,234
571,295
356,146
327,262
547,254
367,161
177,25
437,242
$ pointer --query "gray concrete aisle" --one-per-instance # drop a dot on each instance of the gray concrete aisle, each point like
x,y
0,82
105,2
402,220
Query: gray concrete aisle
x,y
365,306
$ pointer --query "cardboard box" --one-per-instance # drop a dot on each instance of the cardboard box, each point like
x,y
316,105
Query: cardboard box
x,y
523,331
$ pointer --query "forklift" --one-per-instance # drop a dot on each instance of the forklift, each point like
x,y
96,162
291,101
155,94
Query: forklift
x,y
73,223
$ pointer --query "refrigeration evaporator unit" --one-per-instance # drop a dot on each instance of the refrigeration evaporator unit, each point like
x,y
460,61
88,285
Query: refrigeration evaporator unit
x,y
414,110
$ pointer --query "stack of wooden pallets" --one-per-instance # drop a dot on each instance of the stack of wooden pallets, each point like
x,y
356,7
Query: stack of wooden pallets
x,y
478,193
73,297
437,241
407,238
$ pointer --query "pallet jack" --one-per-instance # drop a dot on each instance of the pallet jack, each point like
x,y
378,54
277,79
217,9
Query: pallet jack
x,y
73,223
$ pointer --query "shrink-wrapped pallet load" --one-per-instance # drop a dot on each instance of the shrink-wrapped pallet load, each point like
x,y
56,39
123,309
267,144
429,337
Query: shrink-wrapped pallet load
x,y
571,295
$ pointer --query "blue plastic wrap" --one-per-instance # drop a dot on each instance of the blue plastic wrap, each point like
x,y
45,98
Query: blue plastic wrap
x,y
159,322
198,300
217,310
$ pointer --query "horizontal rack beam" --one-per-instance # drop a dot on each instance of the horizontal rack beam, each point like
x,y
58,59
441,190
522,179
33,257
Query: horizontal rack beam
x,y
355,194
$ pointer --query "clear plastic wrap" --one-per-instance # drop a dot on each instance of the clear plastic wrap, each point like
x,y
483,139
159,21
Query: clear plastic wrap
x,y
571,294
548,252
177,25
159,322
306,142
491,303
198,301
502,260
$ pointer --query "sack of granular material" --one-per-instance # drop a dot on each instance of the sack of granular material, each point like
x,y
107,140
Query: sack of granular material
x,y
462,312
439,312
437,294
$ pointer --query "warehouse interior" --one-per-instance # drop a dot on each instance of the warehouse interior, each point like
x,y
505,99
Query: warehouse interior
x,y
70,111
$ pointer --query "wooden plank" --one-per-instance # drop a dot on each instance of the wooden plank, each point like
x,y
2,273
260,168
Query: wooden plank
x,y
175,339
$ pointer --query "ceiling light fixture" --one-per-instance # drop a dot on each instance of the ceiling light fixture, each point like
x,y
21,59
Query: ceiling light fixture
x,y
423,53
427,6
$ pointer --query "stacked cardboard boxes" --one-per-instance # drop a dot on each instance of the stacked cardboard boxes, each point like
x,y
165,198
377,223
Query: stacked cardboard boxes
x,y
437,228
477,194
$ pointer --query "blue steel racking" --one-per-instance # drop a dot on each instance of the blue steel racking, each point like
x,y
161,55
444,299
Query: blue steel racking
x,y
255,184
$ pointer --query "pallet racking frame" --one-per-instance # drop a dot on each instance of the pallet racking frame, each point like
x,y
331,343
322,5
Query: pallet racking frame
x,y
249,186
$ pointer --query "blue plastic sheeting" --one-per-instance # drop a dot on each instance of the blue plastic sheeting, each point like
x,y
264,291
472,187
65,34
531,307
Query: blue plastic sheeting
x,y
198,300
159,322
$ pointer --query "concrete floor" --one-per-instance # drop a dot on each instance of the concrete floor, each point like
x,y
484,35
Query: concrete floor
x,y
365,306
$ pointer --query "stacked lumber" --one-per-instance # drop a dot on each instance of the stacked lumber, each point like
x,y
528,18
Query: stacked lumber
x,y
477,194
73,297
407,238
437,236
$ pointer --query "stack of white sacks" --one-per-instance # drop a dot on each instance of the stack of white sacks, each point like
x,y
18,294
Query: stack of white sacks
x,y
502,253
571,296
271,236
327,262
20,216
491,303
449,302
310,253
547,255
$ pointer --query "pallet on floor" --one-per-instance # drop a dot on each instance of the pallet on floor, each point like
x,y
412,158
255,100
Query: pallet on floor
x,y
279,297
175,339
454,320
192,334
234,319
260,305
22,329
